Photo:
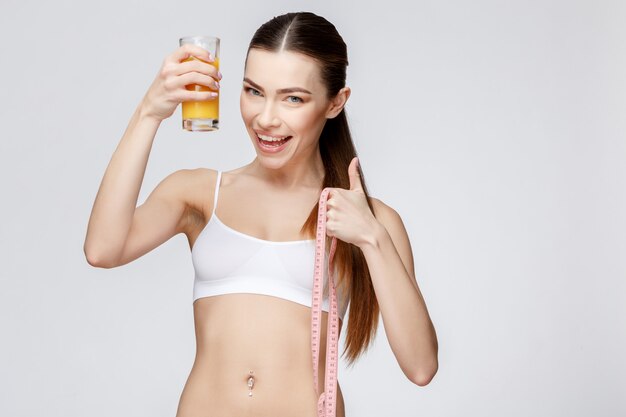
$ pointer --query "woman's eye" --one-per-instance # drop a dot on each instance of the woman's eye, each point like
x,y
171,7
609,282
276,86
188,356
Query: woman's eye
x,y
254,92
251,90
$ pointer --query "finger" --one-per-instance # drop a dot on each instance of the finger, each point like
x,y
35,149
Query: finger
x,y
197,66
330,228
329,196
189,50
196,96
195,78
355,176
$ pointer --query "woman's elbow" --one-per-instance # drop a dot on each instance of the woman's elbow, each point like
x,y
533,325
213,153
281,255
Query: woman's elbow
x,y
424,376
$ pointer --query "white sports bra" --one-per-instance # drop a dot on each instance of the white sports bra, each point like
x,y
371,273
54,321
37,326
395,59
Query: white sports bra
x,y
227,261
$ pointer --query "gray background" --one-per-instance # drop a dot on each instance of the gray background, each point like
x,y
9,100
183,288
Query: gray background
x,y
496,129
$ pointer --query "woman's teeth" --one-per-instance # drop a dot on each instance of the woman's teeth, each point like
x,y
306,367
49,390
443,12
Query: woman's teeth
x,y
271,138
272,141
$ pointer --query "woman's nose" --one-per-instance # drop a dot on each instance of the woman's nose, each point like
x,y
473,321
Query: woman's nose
x,y
268,118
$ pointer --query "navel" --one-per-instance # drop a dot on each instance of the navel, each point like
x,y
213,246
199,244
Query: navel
x,y
250,383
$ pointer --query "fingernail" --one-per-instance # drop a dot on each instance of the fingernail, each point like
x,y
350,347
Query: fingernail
x,y
217,85
219,74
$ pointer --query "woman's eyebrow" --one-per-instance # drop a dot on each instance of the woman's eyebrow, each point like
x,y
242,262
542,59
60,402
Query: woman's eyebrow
x,y
281,91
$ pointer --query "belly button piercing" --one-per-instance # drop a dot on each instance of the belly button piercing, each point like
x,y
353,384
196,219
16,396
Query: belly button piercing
x,y
250,384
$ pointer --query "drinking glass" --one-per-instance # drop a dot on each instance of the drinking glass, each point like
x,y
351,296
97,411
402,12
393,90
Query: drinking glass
x,y
202,116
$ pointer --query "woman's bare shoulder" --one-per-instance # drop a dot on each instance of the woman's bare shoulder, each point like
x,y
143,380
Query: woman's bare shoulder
x,y
391,220
190,178
380,208
196,186
386,214
200,185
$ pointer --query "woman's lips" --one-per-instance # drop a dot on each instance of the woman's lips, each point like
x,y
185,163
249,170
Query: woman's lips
x,y
266,147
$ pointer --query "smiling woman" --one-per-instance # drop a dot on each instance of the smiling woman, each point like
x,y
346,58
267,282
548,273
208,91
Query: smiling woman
x,y
288,100
251,230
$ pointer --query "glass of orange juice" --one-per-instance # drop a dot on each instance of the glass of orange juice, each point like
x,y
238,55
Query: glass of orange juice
x,y
202,116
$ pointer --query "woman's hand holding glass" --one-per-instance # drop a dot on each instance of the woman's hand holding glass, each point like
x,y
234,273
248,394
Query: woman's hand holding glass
x,y
168,88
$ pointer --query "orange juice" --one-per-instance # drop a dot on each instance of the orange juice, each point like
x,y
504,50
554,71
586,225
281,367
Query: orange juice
x,y
209,109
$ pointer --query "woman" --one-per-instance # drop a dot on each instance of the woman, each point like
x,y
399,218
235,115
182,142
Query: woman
x,y
251,230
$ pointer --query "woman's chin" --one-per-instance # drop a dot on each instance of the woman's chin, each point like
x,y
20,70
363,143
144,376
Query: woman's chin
x,y
270,162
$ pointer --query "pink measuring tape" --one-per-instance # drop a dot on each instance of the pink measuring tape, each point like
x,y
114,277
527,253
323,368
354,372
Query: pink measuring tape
x,y
327,401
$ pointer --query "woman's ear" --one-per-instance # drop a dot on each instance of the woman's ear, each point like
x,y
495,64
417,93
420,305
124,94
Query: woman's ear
x,y
338,102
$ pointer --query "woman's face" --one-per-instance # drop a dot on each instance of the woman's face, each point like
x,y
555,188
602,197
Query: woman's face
x,y
283,97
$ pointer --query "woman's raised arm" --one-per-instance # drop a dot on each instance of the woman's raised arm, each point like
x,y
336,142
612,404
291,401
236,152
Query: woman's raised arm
x,y
115,221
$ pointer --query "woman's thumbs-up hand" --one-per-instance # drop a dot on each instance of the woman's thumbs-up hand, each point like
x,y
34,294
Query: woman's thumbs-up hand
x,y
348,216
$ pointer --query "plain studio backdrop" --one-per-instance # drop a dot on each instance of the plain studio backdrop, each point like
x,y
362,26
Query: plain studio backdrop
x,y
496,130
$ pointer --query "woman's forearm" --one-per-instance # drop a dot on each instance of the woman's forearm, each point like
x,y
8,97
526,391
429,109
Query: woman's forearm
x,y
407,323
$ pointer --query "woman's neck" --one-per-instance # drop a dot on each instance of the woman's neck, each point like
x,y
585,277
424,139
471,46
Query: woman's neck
x,y
294,174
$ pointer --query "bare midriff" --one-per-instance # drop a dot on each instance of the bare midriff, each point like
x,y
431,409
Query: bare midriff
x,y
253,358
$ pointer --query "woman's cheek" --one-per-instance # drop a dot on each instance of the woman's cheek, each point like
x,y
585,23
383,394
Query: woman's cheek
x,y
247,108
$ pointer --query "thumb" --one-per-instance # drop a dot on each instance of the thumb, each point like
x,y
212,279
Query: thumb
x,y
355,177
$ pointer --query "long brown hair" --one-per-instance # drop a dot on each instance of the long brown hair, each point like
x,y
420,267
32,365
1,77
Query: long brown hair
x,y
314,36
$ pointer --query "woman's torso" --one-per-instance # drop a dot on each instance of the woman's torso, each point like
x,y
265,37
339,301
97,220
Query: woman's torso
x,y
238,333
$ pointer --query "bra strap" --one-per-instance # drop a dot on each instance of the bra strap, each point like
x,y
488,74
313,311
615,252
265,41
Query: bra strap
x,y
217,190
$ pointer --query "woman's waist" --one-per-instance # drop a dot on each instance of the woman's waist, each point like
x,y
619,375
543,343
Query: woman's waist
x,y
263,330
239,333
253,386
239,373
278,357
267,373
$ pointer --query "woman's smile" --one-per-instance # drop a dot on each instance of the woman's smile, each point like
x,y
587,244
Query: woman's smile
x,y
272,144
